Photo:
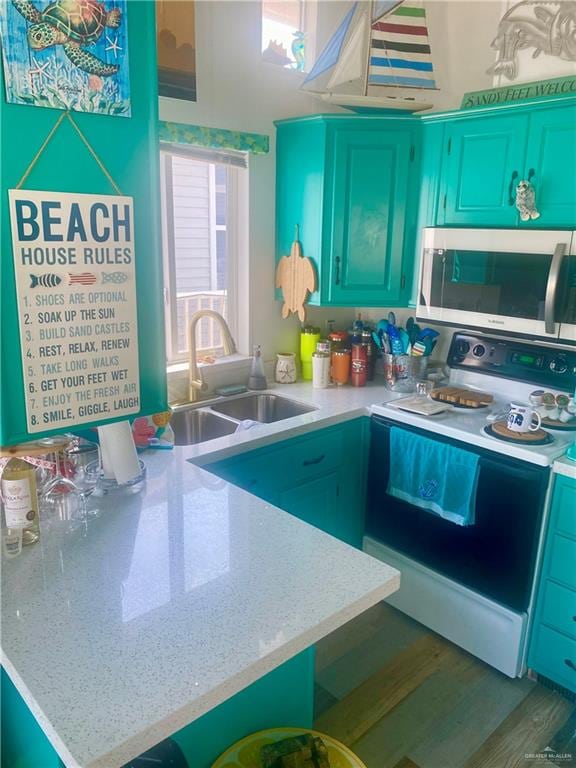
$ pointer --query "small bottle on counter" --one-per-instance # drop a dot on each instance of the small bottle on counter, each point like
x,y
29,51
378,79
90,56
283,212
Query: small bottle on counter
x,y
20,497
257,378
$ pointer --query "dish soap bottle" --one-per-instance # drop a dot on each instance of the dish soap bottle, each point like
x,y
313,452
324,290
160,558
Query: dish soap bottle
x,y
21,499
257,379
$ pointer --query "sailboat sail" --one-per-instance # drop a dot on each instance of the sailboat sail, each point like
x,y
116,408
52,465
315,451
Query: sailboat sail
x,y
378,43
400,49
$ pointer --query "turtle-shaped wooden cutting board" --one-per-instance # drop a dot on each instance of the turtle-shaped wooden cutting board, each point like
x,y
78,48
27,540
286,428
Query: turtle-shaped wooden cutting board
x,y
295,276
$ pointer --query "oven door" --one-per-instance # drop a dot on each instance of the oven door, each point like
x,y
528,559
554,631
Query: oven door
x,y
496,556
496,280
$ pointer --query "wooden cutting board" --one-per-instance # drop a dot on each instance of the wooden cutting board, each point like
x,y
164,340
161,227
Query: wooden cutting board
x,y
296,277
460,396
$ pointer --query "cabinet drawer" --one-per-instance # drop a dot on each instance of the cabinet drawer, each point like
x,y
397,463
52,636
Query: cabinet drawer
x,y
554,656
309,457
563,560
559,608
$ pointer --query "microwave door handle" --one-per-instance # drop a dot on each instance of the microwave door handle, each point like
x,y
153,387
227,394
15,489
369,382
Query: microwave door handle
x,y
426,280
552,287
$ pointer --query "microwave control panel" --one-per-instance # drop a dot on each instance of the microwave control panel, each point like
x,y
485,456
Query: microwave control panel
x,y
512,359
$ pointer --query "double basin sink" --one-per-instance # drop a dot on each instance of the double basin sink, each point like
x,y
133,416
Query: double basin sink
x,y
194,424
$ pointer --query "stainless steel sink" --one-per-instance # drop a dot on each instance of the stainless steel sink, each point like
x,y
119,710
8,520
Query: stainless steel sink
x,y
264,408
193,426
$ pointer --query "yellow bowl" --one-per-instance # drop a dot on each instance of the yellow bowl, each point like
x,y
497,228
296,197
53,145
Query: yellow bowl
x,y
246,752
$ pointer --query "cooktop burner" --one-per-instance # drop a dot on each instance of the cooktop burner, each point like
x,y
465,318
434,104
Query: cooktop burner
x,y
546,438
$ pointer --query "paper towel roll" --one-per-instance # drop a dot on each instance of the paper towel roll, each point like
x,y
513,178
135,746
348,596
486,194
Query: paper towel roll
x,y
119,452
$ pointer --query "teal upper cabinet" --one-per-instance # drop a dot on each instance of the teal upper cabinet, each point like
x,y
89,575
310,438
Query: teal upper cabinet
x,y
350,184
484,163
486,154
551,162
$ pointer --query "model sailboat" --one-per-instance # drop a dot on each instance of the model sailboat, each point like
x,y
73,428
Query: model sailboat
x,y
383,43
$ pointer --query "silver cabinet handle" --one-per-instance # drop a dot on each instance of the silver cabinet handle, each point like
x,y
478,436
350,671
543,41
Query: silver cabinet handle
x,y
552,286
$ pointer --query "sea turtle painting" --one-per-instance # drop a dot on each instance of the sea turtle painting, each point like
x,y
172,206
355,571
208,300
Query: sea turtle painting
x,y
71,24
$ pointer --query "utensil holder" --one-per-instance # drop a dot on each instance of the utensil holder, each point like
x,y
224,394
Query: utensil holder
x,y
401,372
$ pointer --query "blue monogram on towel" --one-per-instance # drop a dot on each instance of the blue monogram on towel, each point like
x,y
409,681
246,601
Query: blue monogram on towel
x,y
428,489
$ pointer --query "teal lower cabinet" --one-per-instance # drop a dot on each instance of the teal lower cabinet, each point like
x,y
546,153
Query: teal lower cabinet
x,y
319,477
283,697
552,650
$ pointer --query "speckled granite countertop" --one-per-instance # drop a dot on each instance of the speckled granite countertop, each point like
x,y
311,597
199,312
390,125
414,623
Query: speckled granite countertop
x,y
123,630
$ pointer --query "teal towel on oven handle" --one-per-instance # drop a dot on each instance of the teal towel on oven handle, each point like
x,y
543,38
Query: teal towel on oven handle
x,y
433,475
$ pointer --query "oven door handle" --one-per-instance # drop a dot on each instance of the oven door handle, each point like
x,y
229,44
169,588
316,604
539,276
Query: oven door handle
x,y
512,469
552,287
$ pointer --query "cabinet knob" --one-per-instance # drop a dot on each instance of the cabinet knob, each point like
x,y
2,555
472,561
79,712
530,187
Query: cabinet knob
x,y
570,663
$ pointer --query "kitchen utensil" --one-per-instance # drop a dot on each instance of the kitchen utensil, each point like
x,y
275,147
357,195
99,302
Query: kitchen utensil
x,y
391,318
521,418
377,341
404,340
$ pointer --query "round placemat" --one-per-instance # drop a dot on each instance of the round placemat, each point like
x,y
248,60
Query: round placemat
x,y
500,431
246,752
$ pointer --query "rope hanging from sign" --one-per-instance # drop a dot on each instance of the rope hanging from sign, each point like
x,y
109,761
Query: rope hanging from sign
x,y
89,147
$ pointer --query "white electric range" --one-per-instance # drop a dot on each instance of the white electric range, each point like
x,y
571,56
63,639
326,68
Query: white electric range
x,y
474,584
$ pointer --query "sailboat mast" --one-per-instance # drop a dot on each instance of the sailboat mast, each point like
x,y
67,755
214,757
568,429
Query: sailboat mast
x,y
367,67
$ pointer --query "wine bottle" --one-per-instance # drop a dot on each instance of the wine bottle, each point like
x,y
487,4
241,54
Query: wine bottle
x,y
20,498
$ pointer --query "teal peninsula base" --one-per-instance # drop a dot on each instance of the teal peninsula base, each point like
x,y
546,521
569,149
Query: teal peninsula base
x,y
283,697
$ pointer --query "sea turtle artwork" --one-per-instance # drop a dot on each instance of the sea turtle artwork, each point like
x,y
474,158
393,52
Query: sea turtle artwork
x,y
548,26
71,24
295,276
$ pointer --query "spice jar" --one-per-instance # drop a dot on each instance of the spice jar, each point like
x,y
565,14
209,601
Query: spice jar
x,y
359,366
340,366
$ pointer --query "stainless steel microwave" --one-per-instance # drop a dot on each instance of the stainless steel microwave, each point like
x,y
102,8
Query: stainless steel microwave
x,y
520,282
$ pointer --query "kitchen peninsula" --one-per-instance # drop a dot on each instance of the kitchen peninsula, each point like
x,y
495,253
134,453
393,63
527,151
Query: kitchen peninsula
x,y
192,599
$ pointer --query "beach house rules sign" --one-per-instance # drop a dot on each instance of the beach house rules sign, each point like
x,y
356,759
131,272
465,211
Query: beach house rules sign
x,y
75,276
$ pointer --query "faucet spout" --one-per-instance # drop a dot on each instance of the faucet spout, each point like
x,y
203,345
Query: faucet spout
x,y
195,383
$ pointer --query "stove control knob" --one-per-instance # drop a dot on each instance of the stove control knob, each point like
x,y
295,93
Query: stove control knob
x,y
559,364
479,350
462,347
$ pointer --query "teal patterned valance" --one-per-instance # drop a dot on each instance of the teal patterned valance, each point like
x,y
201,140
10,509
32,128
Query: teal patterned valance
x,y
215,138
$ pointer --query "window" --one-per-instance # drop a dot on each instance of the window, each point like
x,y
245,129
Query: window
x,y
287,33
199,215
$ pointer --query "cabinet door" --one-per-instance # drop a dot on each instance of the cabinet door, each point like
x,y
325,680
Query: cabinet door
x,y
316,502
484,164
551,164
366,212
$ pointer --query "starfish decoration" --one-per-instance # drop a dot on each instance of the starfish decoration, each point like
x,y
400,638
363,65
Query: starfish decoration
x,y
41,71
113,46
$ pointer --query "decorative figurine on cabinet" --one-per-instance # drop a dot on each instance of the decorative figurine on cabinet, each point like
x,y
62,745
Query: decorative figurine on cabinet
x,y
526,200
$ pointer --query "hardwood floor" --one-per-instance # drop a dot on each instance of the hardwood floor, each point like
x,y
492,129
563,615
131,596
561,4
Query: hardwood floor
x,y
401,696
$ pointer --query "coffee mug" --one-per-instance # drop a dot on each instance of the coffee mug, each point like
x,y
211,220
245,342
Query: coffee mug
x,y
521,418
